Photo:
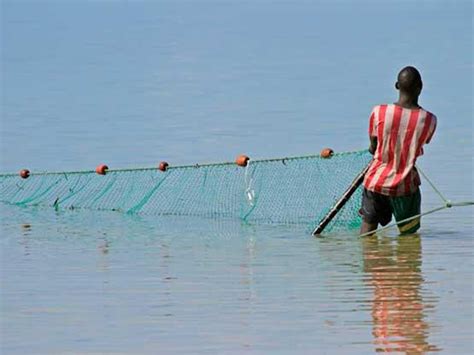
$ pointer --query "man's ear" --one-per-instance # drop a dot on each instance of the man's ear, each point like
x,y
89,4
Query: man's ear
x,y
397,86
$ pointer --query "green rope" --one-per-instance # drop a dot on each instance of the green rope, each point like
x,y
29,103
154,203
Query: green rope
x,y
147,197
446,201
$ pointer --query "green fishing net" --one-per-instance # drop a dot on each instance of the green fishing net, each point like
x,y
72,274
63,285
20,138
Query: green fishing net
x,y
296,190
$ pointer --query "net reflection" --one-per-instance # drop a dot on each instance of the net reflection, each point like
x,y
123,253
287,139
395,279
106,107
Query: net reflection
x,y
399,321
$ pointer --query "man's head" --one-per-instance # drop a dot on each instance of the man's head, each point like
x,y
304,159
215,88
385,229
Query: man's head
x,y
409,81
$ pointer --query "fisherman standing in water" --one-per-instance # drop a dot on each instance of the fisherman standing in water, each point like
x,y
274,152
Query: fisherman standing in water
x,y
397,134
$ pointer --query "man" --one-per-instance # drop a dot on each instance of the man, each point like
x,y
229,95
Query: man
x,y
397,134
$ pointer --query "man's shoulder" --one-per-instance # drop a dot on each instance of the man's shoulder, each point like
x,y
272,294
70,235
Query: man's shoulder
x,y
430,114
377,108
380,106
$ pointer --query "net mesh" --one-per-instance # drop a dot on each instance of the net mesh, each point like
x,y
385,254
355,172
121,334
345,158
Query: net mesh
x,y
296,190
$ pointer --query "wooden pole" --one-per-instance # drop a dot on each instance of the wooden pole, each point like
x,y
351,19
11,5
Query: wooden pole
x,y
341,202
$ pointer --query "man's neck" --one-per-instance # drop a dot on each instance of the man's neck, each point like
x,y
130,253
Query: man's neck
x,y
407,101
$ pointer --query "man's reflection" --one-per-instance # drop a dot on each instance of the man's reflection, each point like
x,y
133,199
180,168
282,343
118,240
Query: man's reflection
x,y
398,309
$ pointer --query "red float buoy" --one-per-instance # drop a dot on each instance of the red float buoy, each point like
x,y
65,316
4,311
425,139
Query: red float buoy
x,y
163,166
101,169
242,160
327,153
25,173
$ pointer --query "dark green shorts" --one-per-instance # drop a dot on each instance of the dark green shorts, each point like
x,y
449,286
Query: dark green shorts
x,y
377,208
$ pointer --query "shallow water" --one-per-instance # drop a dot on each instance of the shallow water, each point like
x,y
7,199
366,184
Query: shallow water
x,y
106,283
133,83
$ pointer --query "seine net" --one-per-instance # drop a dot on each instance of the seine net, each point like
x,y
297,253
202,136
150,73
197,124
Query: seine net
x,y
296,190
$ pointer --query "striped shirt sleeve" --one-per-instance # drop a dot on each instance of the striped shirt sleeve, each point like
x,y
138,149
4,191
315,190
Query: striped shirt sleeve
x,y
372,124
432,128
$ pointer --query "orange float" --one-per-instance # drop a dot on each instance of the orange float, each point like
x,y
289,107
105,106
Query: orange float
x,y
327,153
24,173
163,166
101,169
242,160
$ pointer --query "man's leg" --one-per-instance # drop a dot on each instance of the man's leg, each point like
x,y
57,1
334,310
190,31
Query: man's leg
x,y
367,227
406,207
375,209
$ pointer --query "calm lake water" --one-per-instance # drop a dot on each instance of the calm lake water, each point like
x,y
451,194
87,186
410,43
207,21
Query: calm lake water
x,y
133,83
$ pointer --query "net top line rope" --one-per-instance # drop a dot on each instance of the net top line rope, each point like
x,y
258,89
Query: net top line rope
x,y
190,166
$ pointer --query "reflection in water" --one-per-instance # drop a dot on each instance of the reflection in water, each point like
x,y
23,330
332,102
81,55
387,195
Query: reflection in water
x,y
248,295
26,231
103,246
398,309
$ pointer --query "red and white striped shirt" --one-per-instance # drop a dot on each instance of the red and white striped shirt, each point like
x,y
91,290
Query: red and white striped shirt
x,y
401,134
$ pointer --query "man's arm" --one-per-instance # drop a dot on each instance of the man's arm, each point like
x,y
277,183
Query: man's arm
x,y
432,128
373,145
373,132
